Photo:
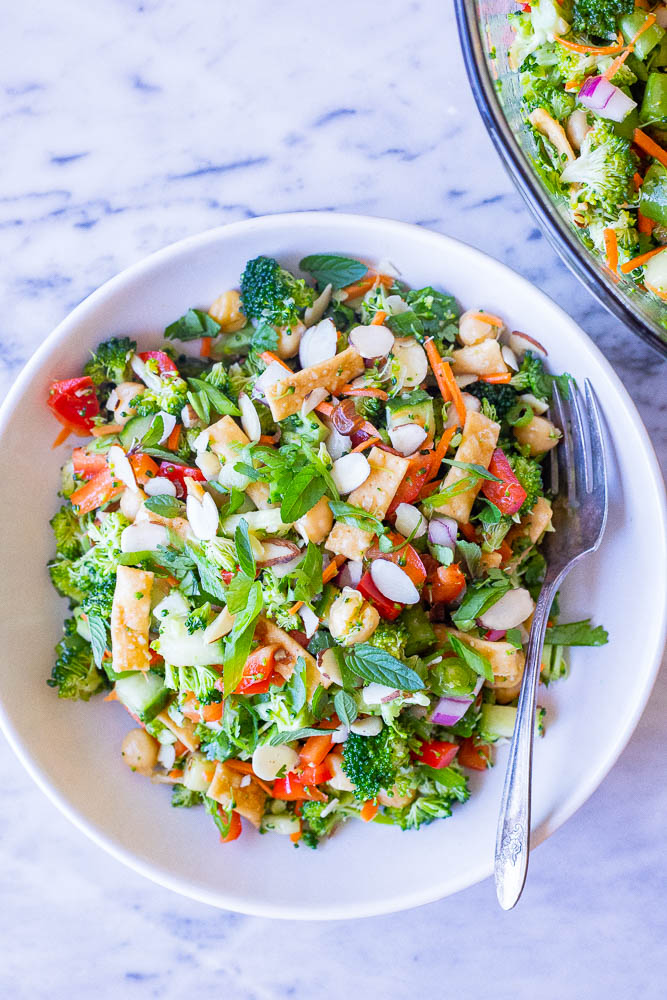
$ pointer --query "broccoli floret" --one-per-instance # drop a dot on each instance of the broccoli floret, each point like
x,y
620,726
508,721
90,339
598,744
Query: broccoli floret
x,y
200,681
111,361
64,579
315,826
90,580
501,397
531,377
437,311
529,474
170,397
392,637
74,673
272,294
372,763
69,531
370,408
542,87
198,618
185,798
598,17
603,173
218,376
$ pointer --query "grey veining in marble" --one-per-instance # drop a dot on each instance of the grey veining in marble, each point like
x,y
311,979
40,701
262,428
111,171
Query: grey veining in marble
x,y
127,125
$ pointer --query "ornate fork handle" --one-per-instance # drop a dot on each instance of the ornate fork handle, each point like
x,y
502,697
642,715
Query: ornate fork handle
x,y
512,840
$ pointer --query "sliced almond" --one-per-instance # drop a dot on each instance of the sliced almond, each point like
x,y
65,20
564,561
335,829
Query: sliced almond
x,y
120,467
203,516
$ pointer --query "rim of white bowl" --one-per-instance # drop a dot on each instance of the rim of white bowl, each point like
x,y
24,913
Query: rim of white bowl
x,y
404,900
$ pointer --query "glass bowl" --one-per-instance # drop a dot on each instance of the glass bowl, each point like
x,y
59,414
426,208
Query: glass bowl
x,y
486,36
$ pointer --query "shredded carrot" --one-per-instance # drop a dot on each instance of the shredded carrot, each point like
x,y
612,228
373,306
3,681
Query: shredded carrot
x,y
468,531
172,440
498,378
436,366
326,409
171,581
105,429
612,70
351,390
379,318
366,444
371,279
644,224
487,318
112,696
638,180
332,569
268,356
205,348
295,607
441,451
647,144
630,265
369,811
267,439
604,50
62,437
245,767
295,837
611,248
430,488
573,85
176,772
455,392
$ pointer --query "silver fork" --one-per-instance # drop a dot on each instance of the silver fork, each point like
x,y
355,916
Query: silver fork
x,y
579,516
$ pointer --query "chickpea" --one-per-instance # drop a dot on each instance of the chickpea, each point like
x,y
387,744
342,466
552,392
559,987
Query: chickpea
x,y
289,340
226,310
125,393
351,618
139,751
484,358
473,330
317,523
540,435
394,800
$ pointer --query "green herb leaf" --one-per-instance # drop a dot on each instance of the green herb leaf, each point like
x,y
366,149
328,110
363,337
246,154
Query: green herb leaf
x,y
200,404
296,686
305,489
447,777
346,707
264,338
406,324
477,600
357,517
478,471
248,470
237,592
308,575
576,634
217,399
239,641
472,555
244,553
277,739
209,574
164,505
444,496
513,636
155,432
194,324
332,269
319,701
98,637
474,660
377,666
408,399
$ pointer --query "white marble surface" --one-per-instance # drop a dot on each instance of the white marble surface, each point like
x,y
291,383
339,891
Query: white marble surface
x,y
127,125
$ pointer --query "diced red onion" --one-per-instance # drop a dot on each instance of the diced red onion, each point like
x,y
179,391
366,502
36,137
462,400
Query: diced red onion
x,y
443,531
449,711
601,96
495,634
350,574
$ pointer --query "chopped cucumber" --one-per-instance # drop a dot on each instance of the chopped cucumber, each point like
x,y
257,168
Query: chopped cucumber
x,y
260,522
631,24
497,721
144,694
135,429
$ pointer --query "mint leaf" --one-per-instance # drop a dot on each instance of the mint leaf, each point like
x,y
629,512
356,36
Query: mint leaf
x,y
477,600
217,399
194,324
332,269
164,505
296,734
346,707
244,553
237,593
377,666
308,575
474,660
357,517
265,337
576,634
478,471
209,574
296,686
305,489
98,637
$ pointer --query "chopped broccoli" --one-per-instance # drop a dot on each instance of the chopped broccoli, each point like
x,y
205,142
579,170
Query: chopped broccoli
x,y
171,397
218,376
185,798
602,173
501,397
531,377
529,474
91,578
392,637
69,532
541,87
370,408
198,618
74,673
272,294
372,763
437,311
316,826
64,579
274,591
110,362
200,681
237,736
598,17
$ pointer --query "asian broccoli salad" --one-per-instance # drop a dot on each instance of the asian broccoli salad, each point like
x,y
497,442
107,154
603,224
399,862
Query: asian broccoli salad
x,y
305,561
593,77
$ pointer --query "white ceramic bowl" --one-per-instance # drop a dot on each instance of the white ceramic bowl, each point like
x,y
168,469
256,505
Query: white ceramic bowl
x,y
72,749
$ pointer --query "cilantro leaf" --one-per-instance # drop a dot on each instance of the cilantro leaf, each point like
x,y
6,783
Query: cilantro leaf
x,y
576,634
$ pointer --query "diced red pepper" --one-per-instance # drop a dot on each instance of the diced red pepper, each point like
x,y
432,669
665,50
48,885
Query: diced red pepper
x,y
257,672
437,753
508,495
165,365
410,487
176,474
87,464
235,827
390,610
73,401
316,774
475,756
448,584
292,789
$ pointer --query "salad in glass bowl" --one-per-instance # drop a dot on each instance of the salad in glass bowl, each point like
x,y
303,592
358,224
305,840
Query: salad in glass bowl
x,y
305,561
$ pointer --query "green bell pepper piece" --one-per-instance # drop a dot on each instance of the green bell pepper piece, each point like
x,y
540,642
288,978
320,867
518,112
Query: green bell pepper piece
x,y
630,25
654,105
653,194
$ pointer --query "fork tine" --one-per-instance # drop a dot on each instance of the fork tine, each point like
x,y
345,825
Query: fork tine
x,y
564,455
580,447
598,463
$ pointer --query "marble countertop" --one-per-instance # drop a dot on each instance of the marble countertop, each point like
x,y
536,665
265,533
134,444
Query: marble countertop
x,y
128,124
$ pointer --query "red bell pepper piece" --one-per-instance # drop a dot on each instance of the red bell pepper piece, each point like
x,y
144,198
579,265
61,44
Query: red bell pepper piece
x,y
73,401
87,464
257,672
475,756
448,584
234,829
176,474
292,789
437,753
390,610
508,495
165,365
